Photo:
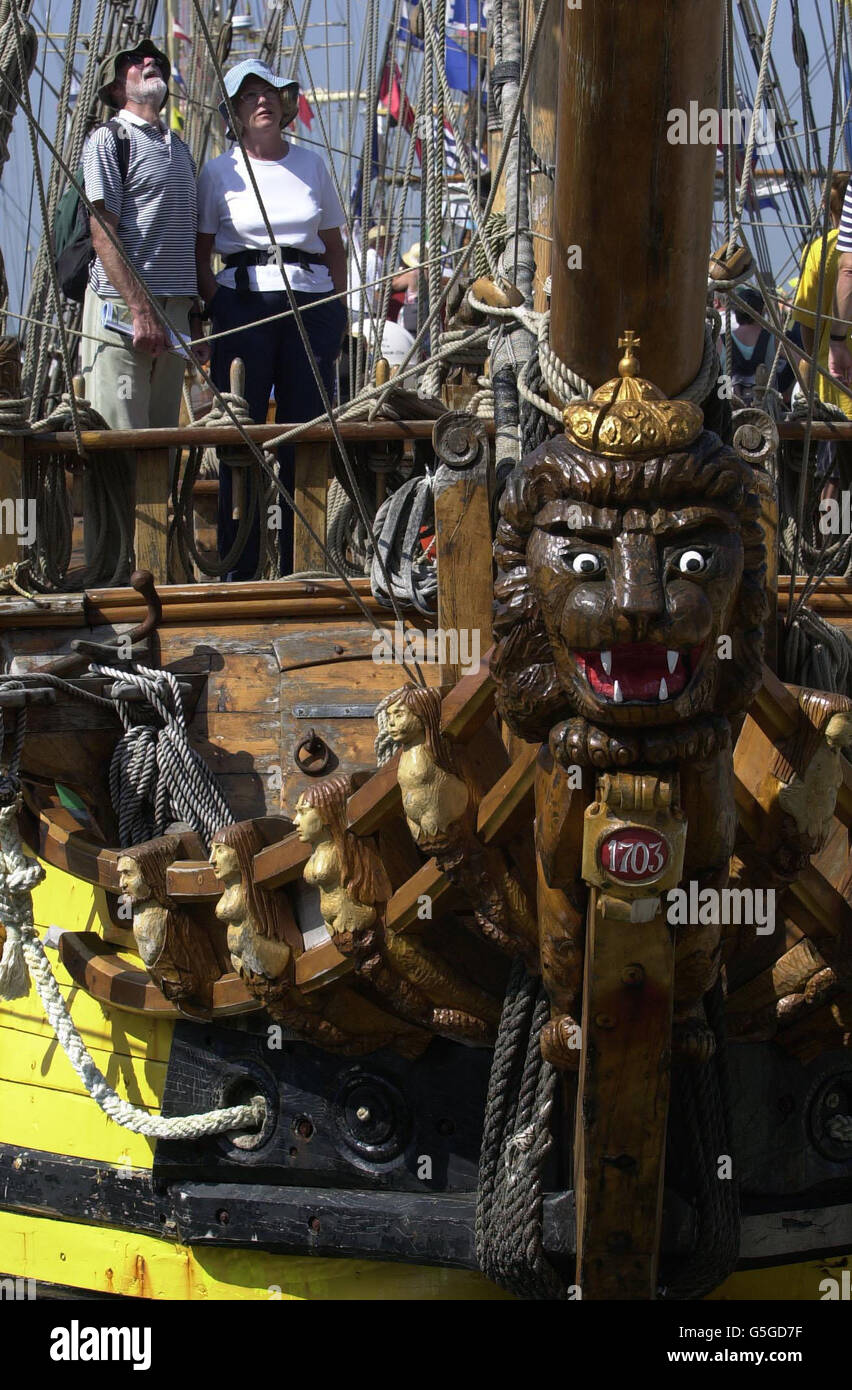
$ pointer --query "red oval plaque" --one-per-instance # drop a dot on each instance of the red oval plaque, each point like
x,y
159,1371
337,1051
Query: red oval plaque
x,y
635,854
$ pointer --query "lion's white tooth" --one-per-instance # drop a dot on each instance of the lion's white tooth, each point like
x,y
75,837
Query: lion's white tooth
x,y
606,662
617,695
672,659
664,690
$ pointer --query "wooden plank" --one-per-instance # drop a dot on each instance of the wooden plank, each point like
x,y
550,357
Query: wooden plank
x,y
465,567
152,505
107,975
313,473
30,1060
622,1105
11,466
74,1125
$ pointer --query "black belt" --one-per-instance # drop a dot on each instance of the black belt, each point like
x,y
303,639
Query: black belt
x,y
268,255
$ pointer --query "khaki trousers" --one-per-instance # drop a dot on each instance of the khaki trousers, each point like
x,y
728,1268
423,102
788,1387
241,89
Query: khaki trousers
x,y
132,391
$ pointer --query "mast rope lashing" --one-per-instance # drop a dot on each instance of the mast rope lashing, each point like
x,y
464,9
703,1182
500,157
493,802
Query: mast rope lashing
x,y
155,775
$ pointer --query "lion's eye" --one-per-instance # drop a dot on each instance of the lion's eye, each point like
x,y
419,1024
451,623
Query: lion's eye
x,y
691,562
586,563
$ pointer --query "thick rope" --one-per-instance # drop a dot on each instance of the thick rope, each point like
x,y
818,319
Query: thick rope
x,y
413,576
516,1139
155,776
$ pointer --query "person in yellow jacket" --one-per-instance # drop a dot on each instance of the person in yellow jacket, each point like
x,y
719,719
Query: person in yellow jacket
x,y
835,345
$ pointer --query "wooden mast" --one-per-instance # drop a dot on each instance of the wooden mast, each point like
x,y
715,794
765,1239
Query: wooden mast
x,y
541,116
631,226
638,207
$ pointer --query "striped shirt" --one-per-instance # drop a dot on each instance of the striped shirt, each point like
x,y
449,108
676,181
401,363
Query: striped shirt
x,y
844,240
155,206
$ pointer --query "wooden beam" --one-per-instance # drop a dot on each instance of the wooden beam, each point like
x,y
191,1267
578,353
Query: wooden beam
x,y
313,473
541,114
352,432
463,543
622,1105
152,506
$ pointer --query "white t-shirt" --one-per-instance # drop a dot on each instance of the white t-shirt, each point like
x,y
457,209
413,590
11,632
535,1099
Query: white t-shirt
x,y
300,202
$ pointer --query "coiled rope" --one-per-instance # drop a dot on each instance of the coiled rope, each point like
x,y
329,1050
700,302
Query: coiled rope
x,y
155,776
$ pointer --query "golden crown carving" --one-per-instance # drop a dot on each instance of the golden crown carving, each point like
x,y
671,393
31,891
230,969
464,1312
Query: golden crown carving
x,y
629,415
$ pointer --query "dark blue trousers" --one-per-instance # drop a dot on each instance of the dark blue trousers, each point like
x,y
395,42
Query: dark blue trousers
x,y
274,360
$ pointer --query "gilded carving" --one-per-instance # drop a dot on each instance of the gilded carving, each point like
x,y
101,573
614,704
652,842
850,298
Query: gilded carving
x,y
403,974
180,956
440,806
334,1018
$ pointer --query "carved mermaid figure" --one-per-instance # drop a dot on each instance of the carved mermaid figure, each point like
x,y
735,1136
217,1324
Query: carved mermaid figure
x,y
354,890
440,805
179,953
336,1018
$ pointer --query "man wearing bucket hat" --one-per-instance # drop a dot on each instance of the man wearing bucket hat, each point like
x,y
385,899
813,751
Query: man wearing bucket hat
x,y
248,300
146,195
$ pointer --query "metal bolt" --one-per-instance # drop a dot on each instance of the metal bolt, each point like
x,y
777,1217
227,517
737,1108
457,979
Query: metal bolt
x,y
632,975
305,1129
362,1113
604,1020
338,650
833,1100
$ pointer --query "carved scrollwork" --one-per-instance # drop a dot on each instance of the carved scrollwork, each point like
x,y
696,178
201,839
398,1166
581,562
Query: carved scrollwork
x,y
756,436
459,439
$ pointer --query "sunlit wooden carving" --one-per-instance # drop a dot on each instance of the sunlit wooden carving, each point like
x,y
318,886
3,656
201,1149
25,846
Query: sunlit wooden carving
x,y
178,952
402,972
335,1018
440,805
629,616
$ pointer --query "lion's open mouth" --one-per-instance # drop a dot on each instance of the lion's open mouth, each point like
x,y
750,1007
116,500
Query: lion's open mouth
x,y
645,671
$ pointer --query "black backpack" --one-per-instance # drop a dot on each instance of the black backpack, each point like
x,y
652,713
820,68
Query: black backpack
x,y
72,236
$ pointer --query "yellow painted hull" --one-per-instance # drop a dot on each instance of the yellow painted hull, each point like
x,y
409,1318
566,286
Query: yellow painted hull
x,y
44,1106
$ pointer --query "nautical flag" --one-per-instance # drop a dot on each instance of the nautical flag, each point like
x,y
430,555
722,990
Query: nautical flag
x,y
467,16
306,115
391,97
452,162
176,120
462,67
179,33
177,78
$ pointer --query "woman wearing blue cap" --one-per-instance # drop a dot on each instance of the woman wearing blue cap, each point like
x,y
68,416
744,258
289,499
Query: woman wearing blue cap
x,y
305,215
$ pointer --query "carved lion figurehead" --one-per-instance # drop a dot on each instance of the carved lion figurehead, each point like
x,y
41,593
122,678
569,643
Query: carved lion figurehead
x,y
630,591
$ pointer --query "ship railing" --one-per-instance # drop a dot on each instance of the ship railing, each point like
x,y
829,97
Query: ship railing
x,y
315,451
